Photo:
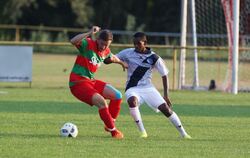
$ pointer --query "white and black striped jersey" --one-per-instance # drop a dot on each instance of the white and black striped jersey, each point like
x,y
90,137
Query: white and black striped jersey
x,y
140,66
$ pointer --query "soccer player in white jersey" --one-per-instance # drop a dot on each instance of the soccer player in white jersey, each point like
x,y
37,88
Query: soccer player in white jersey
x,y
141,61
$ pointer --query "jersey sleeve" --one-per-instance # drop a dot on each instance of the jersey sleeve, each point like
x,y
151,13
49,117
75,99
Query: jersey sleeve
x,y
161,68
82,45
122,55
109,55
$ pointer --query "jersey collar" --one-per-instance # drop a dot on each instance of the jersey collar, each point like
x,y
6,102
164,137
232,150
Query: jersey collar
x,y
148,51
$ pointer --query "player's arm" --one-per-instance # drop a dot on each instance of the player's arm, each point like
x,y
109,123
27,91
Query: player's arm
x,y
165,83
78,38
162,69
115,59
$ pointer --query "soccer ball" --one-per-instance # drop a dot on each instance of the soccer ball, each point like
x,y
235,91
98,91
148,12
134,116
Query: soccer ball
x,y
69,130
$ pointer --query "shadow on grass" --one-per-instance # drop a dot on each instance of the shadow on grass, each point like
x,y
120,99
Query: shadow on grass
x,y
50,136
46,107
213,110
80,108
16,135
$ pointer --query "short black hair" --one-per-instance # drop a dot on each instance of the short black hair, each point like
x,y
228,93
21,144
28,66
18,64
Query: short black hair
x,y
106,35
139,35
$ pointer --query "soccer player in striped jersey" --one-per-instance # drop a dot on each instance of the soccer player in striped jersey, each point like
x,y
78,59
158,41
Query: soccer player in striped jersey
x,y
85,87
141,61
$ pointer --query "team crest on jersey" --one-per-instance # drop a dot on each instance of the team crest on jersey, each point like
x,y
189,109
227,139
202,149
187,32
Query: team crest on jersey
x,y
150,61
94,60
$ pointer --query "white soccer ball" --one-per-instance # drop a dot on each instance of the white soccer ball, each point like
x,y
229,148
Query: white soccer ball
x,y
69,130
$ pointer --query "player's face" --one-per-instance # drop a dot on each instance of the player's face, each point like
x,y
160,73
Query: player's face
x,y
140,44
102,45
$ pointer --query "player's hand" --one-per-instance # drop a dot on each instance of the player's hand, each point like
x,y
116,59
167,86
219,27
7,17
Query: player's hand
x,y
124,66
115,59
95,29
168,101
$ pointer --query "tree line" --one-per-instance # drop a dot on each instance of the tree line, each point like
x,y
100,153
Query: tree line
x,y
130,15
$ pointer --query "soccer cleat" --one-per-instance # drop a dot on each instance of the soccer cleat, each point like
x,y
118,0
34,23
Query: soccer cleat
x,y
187,137
114,133
143,134
117,134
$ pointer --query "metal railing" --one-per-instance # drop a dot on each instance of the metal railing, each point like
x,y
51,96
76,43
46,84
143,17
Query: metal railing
x,y
172,48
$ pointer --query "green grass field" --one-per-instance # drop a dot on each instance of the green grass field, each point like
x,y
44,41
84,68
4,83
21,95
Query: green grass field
x,y
30,120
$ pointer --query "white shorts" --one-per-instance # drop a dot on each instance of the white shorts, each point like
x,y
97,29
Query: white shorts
x,y
149,95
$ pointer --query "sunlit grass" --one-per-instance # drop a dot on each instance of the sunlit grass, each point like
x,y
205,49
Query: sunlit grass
x,y
30,120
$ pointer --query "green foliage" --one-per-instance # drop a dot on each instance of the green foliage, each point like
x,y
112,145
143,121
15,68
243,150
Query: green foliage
x,y
137,15
62,36
39,36
47,12
130,26
7,35
83,11
165,16
140,15
110,14
11,10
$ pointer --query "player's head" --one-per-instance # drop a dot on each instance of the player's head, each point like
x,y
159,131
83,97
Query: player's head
x,y
104,39
140,41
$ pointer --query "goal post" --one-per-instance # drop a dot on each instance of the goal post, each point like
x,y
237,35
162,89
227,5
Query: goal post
x,y
211,23
231,11
181,80
194,35
235,63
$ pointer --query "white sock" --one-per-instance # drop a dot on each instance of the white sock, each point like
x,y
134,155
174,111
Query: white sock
x,y
135,113
177,123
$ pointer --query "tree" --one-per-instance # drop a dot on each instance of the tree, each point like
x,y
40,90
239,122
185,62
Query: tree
x,y
47,12
165,16
11,10
110,13
139,15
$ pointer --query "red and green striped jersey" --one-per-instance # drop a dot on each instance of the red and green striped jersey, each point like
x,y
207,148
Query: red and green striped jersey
x,y
88,60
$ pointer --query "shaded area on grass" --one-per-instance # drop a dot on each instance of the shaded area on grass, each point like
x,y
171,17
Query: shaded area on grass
x,y
213,110
29,136
80,108
45,107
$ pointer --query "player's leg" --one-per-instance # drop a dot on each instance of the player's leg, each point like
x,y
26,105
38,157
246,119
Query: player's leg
x,y
106,117
133,102
85,92
135,113
154,99
102,106
102,89
115,97
174,119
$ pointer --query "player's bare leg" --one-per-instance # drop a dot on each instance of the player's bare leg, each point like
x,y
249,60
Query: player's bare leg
x,y
115,98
